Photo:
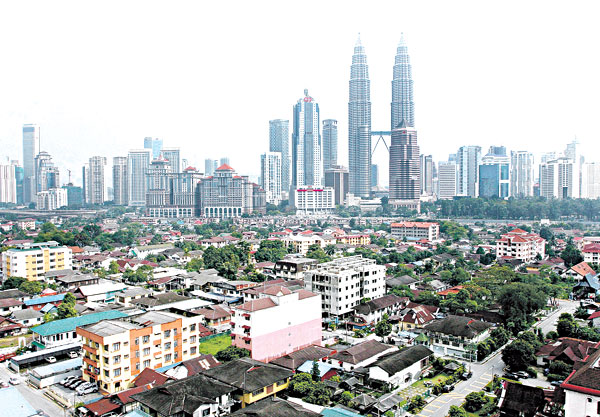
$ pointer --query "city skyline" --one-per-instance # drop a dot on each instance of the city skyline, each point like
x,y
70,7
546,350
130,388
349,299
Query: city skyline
x,y
448,81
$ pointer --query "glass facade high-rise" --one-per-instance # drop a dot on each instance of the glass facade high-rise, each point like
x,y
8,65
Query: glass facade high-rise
x,y
405,179
46,175
172,155
270,176
359,124
403,106
210,166
31,146
427,174
120,180
374,175
138,162
494,174
521,174
154,144
279,141
95,180
468,159
307,159
330,143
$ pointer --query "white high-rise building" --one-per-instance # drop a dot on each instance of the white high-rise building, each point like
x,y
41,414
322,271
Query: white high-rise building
x,y
559,179
279,141
52,199
468,161
8,184
447,180
95,180
138,162
590,180
173,155
270,176
521,177
307,158
210,166
120,180
31,146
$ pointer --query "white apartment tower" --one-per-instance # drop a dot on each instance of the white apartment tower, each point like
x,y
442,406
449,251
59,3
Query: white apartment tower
x,y
521,177
120,180
270,175
138,162
95,180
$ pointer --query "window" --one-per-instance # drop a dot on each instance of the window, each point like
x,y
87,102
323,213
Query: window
x,y
167,333
192,327
117,346
145,339
137,366
193,350
174,332
117,359
176,355
193,339
168,345
137,353
146,351
258,392
168,357
106,374
137,340
175,343
117,372
146,363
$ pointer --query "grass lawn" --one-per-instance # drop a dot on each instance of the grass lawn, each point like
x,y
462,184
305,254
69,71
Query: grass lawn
x,y
14,340
212,346
435,380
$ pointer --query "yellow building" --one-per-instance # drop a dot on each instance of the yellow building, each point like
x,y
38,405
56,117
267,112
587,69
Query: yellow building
x,y
33,260
116,351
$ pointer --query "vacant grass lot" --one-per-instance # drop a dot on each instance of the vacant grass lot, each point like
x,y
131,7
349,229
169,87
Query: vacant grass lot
x,y
212,346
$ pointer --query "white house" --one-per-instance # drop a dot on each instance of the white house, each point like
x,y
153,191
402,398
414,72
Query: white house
x,y
362,354
401,368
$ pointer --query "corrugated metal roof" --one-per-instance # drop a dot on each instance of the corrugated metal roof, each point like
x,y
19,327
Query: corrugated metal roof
x,y
57,368
70,324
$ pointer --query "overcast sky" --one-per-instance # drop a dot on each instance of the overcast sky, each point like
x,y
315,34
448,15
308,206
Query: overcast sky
x,y
207,76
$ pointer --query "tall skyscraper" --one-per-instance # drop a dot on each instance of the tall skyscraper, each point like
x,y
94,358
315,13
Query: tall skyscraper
x,y
359,124
31,146
403,106
468,159
172,155
405,181
154,144
330,143
120,180
426,174
95,180
138,162
210,166
494,174
558,179
46,175
336,177
270,176
374,175
8,184
224,161
307,159
279,141
521,178
590,180
447,180
19,178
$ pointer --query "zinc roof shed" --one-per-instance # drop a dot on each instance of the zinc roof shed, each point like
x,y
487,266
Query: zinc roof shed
x,y
70,324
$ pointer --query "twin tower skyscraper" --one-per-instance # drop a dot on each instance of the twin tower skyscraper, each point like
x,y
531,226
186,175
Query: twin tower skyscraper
x,y
359,120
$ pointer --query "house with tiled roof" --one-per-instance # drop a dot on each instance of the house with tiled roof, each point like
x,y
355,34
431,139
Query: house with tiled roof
x,y
565,349
362,354
412,317
579,271
373,311
582,388
416,230
521,245
400,368
591,253
456,335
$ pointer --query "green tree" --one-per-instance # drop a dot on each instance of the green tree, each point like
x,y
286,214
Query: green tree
x,y
64,311
500,336
315,372
383,328
346,398
48,317
519,301
195,264
518,355
231,353
560,368
456,411
316,252
571,255
416,404
113,268
31,287
13,282
330,249
270,251
474,401
69,299
566,326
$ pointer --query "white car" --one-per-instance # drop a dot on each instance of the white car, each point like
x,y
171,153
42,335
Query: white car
x,y
14,380
51,359
67,380
73,355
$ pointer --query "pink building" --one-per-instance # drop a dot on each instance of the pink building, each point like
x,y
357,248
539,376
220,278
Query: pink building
x,y
279,322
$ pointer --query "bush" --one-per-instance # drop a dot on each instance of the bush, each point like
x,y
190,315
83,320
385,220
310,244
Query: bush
x,y
474,401
555,377
487,409
416,404
532,372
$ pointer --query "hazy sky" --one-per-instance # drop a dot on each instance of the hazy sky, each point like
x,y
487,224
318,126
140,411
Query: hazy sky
x,y
207,76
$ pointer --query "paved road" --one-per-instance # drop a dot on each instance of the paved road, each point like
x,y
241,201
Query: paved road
x,y
35,397
483,373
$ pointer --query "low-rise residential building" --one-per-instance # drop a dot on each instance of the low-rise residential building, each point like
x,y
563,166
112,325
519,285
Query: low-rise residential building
x,y
344,282
565,349
33,260
457,336
279,322
117,350
9,306
362,354
521,245
591,253
216,317
414,316
354,240
582,389
373,311
63,332
104,292
294,268
301,243
579,271
416,231
27,317
401,368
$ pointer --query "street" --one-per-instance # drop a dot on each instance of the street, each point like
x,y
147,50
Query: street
x,y
484,372
35,397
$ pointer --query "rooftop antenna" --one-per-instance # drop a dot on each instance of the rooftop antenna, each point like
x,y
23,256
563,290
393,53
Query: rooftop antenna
x,y
69,171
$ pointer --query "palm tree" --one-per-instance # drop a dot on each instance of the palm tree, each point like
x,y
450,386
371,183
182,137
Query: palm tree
x,y
330,249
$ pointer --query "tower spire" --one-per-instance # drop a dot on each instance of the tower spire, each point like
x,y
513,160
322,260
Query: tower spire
x,y
402,106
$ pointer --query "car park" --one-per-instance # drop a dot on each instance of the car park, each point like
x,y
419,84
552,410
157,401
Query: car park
x,y
14,380
68,379
73,354
84,386
88,390
75,383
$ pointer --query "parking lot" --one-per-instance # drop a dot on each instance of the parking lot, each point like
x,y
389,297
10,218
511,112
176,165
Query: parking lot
x,y
71,396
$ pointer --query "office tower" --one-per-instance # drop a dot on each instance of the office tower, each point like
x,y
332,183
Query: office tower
x,y
405,182
173,157
359,124
330,143
447,180
51,199
171,194
494,174
452,158
559,179
210,166
403,106
336,177
120,180
270,175
227,195
74,195
8,184
307,160
279,141
19,176
31,146
521,178
547,156
155,145
138,161
590,180
426,174
83,183
224,161
157,182
46,175
468,159
95,180
374,175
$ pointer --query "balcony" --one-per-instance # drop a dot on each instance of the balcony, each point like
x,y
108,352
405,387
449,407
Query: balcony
x,y
90,349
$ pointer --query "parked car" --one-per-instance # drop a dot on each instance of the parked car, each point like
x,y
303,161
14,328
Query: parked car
x,y
546,371
448,388
67,380
557,383
522,374
14,380
51,359
7,356
41,413
84,386
75,383
3,384
88,390
73,354
466,375
510,375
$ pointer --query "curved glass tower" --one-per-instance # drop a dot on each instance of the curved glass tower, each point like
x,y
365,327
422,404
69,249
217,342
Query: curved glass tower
x,y
403,106
359,124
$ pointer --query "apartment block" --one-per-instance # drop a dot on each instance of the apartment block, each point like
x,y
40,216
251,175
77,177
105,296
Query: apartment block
x,y
33,260
343,282
279,322
116,351
519,244
416,230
